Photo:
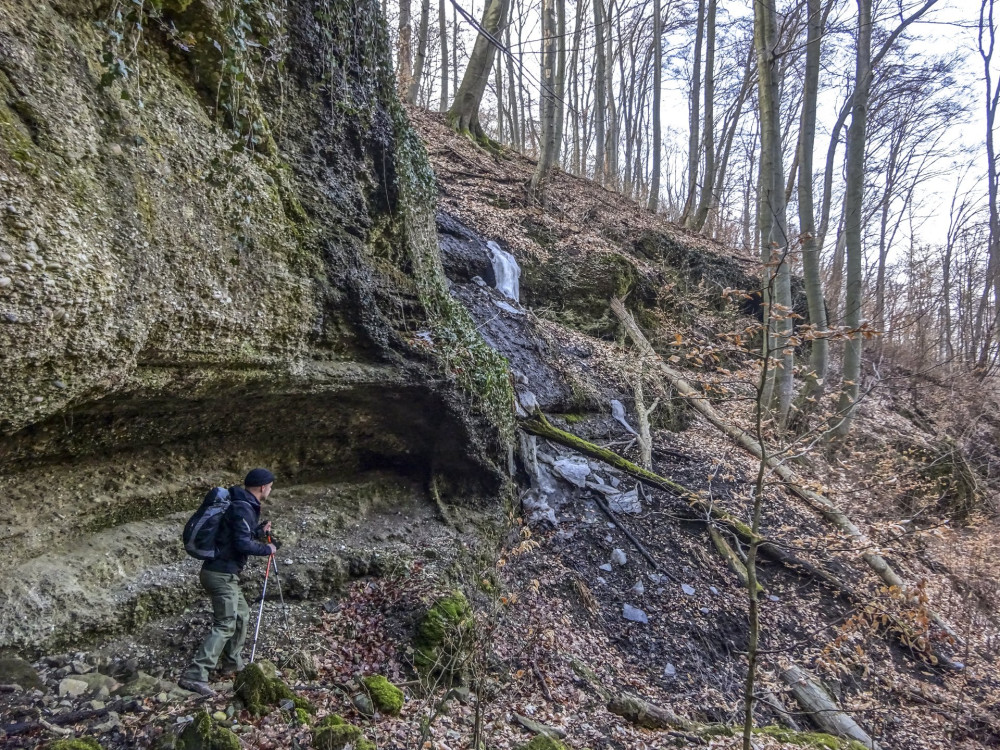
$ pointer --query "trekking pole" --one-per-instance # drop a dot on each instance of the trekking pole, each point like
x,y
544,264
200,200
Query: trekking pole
x,y
260,612
281,597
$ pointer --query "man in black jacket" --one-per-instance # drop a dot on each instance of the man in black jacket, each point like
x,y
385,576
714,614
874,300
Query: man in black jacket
x,y
220,578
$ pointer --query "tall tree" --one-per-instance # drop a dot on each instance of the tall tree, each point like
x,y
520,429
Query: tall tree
x,y
418,66
771,220
819,347
987,43
697,220
694,113
443,32
853,200
464,112
404,51
654,185
600,82
548,146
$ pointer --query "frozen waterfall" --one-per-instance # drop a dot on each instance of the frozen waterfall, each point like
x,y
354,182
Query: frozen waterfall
x,y
506,270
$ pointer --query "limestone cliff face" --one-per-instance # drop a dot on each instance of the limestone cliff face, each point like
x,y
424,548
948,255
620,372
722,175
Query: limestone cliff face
x,y
216,250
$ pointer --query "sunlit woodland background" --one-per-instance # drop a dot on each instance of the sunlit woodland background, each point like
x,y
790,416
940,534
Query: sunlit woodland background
x,y
883,194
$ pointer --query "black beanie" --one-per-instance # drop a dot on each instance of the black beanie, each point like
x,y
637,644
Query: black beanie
x,y
258,478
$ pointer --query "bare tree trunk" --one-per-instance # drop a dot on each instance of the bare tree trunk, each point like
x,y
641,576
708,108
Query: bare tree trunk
x,y
697,221
575,154
404,52
611,130
654,185
771,214
856,137
987,42
560,86
464,112
425,12
443,31
498,86
694,116
819,346
513,116
600,81
548,148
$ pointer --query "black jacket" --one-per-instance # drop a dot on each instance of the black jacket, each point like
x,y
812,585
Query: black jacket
x,y
234,540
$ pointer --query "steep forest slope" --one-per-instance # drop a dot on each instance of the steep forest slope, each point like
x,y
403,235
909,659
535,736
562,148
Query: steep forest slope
x,y
222,244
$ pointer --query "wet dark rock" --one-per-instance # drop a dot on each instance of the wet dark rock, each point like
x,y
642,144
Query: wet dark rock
x,y
463,252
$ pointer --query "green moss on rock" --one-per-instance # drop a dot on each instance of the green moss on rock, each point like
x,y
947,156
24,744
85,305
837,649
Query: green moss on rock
x,y
809,739
333,733
444,637
205,734
387,697
543,742
82,743
261,692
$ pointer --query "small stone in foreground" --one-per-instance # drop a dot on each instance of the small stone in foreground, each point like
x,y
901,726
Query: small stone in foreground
x,y
634,614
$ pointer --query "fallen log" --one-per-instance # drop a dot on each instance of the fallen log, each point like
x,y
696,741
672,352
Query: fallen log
x,y
821,709
792,481
649,715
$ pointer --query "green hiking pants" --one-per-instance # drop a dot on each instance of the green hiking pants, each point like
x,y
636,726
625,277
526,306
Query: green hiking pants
x,y
229,626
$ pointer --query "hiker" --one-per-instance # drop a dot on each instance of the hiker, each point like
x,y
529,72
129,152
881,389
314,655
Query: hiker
x,y
220,578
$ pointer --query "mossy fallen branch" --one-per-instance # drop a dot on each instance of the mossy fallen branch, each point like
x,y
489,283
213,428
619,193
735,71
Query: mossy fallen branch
x,y
648,715
821,709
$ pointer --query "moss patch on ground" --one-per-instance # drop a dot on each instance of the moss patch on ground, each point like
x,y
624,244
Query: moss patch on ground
x,y
809,739
261,692
83,743
333,733
387,697
444,637
203,734
543,742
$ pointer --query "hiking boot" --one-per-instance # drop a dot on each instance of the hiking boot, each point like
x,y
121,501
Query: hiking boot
x,y
228,673
196,686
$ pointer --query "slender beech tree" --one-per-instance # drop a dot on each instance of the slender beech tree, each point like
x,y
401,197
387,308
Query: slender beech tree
x,y
464,112
853,201
694,114
654,184
819,354
697,219
443,32
548,146
600,82
560,83
421,57
771,222
986,321
404,51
